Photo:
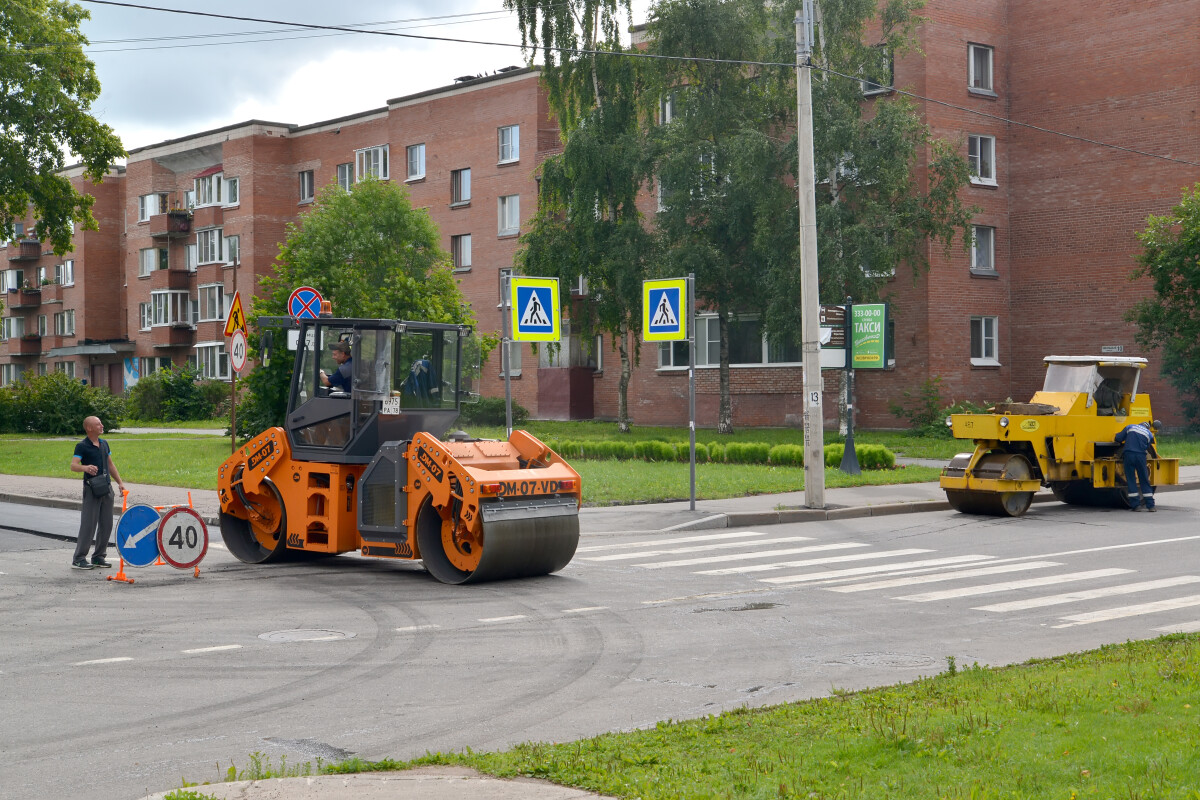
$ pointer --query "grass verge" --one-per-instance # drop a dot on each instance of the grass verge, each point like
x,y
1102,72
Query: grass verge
x,y
1121,721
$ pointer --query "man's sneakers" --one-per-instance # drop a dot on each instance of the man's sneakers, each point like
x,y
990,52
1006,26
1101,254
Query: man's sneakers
x,y
95,563
100,563
80,563
1152,509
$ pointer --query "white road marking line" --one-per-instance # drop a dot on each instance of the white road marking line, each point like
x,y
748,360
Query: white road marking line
x,y
1008,586
503,619
722,559
585,608
710,596
1129,611
708,537
411,628
829,560
323,639
875,568
1114,547
1183,627
892,583
700,548
1090,594
217,545
101,661
214,649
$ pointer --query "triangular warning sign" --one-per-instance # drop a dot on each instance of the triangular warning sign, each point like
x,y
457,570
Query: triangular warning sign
x,y
664,315
535,314
237,317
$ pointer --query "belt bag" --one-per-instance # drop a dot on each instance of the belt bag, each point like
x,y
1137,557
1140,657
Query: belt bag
x,y
100,485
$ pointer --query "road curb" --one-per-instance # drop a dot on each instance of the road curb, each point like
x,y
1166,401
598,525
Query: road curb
x,y
70,505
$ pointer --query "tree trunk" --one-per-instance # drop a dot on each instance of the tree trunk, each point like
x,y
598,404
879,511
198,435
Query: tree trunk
x,y
725,415
623,425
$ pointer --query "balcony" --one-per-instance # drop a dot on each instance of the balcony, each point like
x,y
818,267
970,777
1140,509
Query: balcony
x,y
179,279
52,293
171,225
178,334
25,250
207,217
25,298
28,345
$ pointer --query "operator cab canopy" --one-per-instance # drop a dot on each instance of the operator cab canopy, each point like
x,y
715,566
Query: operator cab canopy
x,y
1105,379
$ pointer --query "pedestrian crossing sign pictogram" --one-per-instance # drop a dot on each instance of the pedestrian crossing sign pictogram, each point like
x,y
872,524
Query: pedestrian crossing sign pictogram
x,y
535,316
664,316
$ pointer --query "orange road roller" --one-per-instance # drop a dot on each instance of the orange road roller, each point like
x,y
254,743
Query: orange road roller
x,y
358,465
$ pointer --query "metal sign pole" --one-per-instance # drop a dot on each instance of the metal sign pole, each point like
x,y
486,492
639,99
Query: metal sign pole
x,y
849,463
233,378
506,349
691,304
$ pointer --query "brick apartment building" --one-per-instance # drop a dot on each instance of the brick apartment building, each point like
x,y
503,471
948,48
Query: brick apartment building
x,y
1048,273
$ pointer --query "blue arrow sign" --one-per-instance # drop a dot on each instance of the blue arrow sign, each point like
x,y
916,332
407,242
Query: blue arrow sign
x,y
137,535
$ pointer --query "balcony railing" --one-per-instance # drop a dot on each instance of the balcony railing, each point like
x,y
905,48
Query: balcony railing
x,y
25,250
25,298
176,335
29,344
171,225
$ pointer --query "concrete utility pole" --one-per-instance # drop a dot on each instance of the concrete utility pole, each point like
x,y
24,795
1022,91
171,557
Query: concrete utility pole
x,y
810,303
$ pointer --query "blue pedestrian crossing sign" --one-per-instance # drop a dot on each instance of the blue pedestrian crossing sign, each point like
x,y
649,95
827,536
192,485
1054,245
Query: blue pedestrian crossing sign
x,y
535,315
137,535
664,315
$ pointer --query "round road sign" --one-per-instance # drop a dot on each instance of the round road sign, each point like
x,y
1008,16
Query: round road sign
x,y
304,303
137,535
237,351
182,538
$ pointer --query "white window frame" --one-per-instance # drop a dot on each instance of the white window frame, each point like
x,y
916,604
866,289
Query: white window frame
x,y
972,77
144,316
65,367
64,273
209,190
345,175
148,264
189,198
170,307
508,215
208,246
673,355
708,335
508,144
371,161
147,207
666,108
307,186
233,249
460,252
210,299
869,87
13,327
513,361
232,189
11,374
43,325
460,186
212,361
977,143
988,354
191,256
64,323
415,159
983,249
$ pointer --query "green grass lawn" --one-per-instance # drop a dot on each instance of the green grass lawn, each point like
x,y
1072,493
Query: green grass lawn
x,y
1119,722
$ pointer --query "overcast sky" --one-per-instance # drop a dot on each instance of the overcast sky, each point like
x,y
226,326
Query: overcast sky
x,y
166,75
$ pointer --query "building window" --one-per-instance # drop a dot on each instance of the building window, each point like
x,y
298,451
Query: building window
x,y
144,318
11,279
64,323
983,341
208,190
208,246
150,259
191,255
232,191
210,302
65,367
149,366
233,249
981,153
189,198
879,72
306,186
748,344
64,273
460,251
673,354
979,58
372,161
148,206
10,374
509,214
212,361
170,308
666,108
513,364
14,327
43,326
345,175
460,186
416,161
983,249
510,143
41,276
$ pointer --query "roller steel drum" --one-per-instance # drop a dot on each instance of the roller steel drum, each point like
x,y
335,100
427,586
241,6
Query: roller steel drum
x,y
993,466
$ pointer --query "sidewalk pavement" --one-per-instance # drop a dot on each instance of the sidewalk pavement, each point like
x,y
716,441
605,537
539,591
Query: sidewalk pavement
x,y
444,783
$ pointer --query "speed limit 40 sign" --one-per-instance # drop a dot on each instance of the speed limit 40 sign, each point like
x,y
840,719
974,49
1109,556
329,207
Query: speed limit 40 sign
x,y
237,351
182,538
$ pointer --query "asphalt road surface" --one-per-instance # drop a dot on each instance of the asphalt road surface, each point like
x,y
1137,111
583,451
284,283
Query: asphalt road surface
x,y
115,690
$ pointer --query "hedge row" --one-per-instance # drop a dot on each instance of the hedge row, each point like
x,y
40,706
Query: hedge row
x,y
870,456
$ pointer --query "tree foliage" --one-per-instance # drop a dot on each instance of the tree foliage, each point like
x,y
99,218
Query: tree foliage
x,y
1170,319
47,86
372,255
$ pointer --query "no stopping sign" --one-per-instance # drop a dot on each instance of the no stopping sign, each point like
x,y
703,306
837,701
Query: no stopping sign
x,y
182,538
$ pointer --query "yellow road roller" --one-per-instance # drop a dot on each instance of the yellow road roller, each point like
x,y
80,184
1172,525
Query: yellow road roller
x,y
1061,438
361,464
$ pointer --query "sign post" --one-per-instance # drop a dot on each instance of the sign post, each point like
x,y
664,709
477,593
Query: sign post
x,y
534,311
666,306
235,327
866,342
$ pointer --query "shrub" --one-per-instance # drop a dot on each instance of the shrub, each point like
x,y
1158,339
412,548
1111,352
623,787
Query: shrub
x,y
834,453
683,452
176,393
654,450
875,456
567,448
747,452
716,452
8,410
923,407
791,455
57,404
216,394
490,411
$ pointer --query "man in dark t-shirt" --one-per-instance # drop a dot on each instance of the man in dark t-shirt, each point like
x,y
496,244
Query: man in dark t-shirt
x,y
339,381
93,457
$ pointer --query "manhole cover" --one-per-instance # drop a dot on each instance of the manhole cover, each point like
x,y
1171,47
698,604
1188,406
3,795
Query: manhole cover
x,y
306,635
884,660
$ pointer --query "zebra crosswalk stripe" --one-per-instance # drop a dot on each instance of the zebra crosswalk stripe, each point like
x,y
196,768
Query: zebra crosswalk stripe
x,y
700,548
874,568
1090,594
674,540
1182,627
722,559
940,577
1123,612
1008,586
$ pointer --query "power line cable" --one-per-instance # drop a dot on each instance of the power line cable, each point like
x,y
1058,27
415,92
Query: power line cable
x,y
632,54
